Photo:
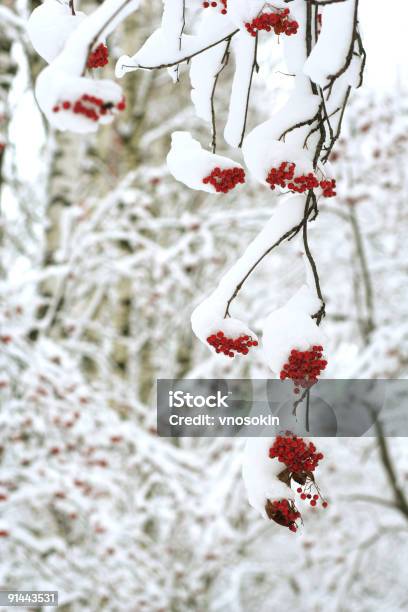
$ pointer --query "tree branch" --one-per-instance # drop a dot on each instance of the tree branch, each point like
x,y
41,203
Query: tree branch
x,y
186,58
400,500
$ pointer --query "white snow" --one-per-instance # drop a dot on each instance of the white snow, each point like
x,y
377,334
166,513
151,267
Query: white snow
x,y
203,73
157,53
259,473
291,327
54,85
243,11
294,47
49,26
329,54
261,154
207,319
62,79
244,50
208,315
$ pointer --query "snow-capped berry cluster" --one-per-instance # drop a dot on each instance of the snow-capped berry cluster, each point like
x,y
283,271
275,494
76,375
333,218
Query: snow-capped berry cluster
x,y
278,21
284,176
223,344
304,367
300,457
214,4
283,512
225,180
99,57
90,106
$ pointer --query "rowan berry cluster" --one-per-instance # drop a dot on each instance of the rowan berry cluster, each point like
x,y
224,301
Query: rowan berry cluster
x,y
214,4
300,457
225,180
223,344
99,57
278,21
284,176
90,106
283,512
313,499
304,367
328,188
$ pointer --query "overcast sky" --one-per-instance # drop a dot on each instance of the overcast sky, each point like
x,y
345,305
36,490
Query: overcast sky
x,y
386,44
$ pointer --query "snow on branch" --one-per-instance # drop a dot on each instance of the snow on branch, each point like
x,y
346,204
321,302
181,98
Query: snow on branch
x,y
70,100
287,154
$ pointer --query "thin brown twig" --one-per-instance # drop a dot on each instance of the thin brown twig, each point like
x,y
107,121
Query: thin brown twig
x,y
186,58
400,500
253,68
224,62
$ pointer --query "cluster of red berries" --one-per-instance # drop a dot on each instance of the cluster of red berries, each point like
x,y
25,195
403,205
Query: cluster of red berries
x,y
328,188
225,180
277,21
284,176
299,456
89,106
313,499
225,345
214,4
99,57
304,367
283,512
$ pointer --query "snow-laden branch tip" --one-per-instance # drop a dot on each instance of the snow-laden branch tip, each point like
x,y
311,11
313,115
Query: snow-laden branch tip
x,y
70,100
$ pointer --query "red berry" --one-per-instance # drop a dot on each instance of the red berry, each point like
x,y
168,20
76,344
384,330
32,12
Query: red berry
x,y
303,367
99,57
277,20
298,456
283,512
90,106
225,180
223,344
284,177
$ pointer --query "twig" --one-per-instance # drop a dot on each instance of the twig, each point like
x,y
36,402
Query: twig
x,y
339,125
400,500
186,58
224,63
253,68
321,313
307,409
349,55
372,499
286,236
369,295
299,125
101,30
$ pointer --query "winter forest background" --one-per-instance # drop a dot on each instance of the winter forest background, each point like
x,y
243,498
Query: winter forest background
x,y
103,257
